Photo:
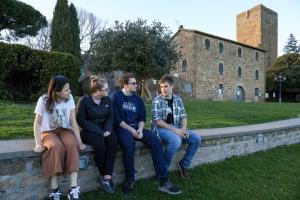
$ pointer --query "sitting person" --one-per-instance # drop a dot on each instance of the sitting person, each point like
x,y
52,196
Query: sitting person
x,y
95,117
57,134
169,119
130,118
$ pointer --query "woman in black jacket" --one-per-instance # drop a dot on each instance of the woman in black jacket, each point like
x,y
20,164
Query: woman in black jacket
x,y
95,117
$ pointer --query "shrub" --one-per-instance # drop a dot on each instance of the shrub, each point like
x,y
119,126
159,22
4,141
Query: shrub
x,y
298,98
25,73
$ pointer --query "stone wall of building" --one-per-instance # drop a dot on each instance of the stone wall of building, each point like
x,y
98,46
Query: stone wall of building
x,y
202,67
21,173
258,27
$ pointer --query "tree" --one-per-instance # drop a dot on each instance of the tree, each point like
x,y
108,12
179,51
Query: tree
x,y
145,50
19,19
291,45
41,41
75,32
289,66
64,33
89,26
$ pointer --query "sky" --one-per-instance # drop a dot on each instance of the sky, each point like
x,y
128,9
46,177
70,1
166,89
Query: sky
x,y
217,17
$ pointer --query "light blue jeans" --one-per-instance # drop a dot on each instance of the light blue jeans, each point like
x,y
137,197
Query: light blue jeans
x,y
174,142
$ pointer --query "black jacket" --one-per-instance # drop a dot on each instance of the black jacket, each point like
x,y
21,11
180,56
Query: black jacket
x,y
95,118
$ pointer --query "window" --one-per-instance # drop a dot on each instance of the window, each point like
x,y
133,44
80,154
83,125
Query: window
x,y
221,47
220,89
256,56
183,65
239,72
256,75
239,52
221,68
207,44
256,92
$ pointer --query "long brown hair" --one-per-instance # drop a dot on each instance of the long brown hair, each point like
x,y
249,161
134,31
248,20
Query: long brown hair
x,y
56,84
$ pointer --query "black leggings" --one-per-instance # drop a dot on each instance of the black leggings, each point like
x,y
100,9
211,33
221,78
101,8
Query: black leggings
x,y
105,149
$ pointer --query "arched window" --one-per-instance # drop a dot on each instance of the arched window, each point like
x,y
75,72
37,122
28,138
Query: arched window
x,y
221,47
239,72
239,52
256,75
221,68
256,56
184,65
207,44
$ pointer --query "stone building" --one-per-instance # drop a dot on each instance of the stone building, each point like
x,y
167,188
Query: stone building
x,y
258,27
216,68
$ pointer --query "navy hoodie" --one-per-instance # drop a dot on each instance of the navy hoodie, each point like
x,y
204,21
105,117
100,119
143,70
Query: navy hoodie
x,y
130,109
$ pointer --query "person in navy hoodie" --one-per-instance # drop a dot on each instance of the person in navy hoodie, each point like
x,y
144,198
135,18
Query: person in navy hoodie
x,y
130,118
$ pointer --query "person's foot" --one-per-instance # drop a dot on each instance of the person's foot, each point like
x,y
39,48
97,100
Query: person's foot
x,y
74,193
128,186
169,188
106,185
54,194
183,171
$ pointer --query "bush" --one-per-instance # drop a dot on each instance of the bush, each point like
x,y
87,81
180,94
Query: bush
x,y
25,73
298,98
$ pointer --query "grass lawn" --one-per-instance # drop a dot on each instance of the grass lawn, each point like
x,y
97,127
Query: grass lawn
x,y
273,174
16,120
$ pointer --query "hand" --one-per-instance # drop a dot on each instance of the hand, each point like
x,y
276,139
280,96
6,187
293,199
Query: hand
x,y
82,146
106,133
182,133
140,133
38,148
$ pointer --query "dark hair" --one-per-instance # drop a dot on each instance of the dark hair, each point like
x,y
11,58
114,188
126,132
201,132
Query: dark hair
x,y
96,84
166,78
56,84
124,79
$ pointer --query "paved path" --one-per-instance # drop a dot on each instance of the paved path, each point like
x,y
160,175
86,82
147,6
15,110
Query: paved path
x,y
24,146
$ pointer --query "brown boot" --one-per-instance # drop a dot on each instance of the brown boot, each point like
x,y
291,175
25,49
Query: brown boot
x,y
183,171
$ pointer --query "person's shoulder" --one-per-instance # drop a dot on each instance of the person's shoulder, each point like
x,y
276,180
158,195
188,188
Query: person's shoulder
x,y
83,98
117,93
176,97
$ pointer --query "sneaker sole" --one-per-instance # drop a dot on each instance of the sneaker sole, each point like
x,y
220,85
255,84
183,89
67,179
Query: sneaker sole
x,y
162,189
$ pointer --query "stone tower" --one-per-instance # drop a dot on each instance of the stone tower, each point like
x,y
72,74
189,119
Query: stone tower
x,y
258,27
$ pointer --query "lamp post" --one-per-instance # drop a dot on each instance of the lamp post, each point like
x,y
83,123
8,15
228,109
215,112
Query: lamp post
x,y
280,78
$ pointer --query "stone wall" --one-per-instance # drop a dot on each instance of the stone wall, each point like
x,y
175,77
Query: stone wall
x,y
20,169
202,68
258,27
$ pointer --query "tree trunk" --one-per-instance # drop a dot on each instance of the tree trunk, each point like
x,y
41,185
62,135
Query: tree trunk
x,y
145,93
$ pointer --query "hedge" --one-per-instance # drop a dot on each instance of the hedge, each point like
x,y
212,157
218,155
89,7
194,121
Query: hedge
x,y
25,73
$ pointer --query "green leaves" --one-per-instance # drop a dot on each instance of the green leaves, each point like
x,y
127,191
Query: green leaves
x,y
20,19
65,30
135,47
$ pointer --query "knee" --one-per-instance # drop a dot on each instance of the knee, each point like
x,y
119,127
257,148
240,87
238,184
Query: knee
x,y
57,147
175,143
195,139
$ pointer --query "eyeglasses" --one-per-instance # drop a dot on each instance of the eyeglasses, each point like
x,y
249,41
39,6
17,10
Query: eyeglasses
x,y
105,90
133,83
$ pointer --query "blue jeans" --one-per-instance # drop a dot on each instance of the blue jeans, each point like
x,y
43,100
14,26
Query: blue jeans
x,y
127,142
174,141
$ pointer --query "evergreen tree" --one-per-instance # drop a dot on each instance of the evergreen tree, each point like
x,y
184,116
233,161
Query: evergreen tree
x,y
20,19
291,45
75,32
64,32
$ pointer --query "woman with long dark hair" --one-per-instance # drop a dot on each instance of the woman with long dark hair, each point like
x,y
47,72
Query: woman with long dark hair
x,y
95,117
57,134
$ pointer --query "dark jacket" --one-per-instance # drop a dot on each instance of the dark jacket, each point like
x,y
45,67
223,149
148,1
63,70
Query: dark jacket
x,y
95,118
130,109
